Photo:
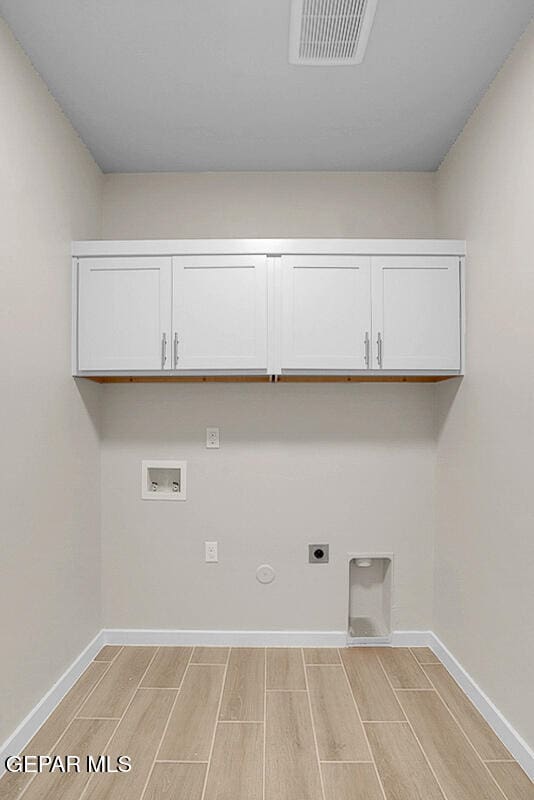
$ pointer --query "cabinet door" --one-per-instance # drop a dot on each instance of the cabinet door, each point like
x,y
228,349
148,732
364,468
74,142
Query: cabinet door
x,y
124,314
220,313
326,312
416,313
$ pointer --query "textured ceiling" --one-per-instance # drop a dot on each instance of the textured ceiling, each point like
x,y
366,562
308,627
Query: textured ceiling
x,y
206,84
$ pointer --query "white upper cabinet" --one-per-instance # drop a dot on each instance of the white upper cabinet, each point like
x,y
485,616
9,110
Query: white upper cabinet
x,y
416,313
326,312
227,306
219,313
124,314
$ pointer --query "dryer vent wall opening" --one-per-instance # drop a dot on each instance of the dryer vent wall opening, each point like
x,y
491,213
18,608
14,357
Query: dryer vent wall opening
x,y
330,32
370,598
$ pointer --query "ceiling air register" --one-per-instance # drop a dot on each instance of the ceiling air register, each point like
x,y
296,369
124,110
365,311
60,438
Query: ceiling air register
x,y
330,33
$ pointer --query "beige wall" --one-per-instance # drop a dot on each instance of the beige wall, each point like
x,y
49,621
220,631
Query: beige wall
x,y
148,545
49,566
351,465
485,543
269,204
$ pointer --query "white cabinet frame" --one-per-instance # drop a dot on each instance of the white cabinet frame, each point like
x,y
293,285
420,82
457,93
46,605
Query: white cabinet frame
x,y
273,249
269,247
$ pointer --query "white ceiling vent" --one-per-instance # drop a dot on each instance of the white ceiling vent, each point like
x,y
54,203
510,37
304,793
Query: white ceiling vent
x,y
330,32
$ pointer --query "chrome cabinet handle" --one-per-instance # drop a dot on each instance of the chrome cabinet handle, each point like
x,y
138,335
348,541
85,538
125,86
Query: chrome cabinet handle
x,y
163,350
176,341
379,350
366,345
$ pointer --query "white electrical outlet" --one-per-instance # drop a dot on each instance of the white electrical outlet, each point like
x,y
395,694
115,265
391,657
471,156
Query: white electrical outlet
x,y
212,554
212,438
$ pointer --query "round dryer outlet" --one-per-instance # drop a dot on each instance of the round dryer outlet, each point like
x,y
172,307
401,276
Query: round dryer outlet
x,y
265,574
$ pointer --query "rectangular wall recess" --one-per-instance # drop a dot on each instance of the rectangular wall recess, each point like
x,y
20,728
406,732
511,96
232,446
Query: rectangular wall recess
x,y
370,599
163,480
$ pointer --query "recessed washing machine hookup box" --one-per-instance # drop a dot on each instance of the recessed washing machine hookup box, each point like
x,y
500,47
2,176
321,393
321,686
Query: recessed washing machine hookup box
x,y
163,480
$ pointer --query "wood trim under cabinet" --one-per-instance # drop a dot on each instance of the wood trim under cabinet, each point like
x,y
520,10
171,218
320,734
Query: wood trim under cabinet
x,y
267,378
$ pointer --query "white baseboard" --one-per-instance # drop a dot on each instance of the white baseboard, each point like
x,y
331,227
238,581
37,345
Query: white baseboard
x,y
517,746
40,713
395,639
204,638
411,639
519,749
189,638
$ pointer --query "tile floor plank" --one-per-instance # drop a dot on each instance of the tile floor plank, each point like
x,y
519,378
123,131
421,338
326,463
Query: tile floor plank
x,y
176,782
244,688
192,722
168,668
291,768
12,783
375,699
83,737
460,772
446,725
351,782
285,669
108,652
210,655
339,732
402,767
321,655
236,765
55,725
477,730
402,668
515,783
424,655
118,685
138,736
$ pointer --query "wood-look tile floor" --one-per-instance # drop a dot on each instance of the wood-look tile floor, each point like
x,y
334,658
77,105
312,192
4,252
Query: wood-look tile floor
x,y
272,724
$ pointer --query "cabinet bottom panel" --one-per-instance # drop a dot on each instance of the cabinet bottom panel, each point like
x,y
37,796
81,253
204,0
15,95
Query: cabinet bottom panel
x,y
268,378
